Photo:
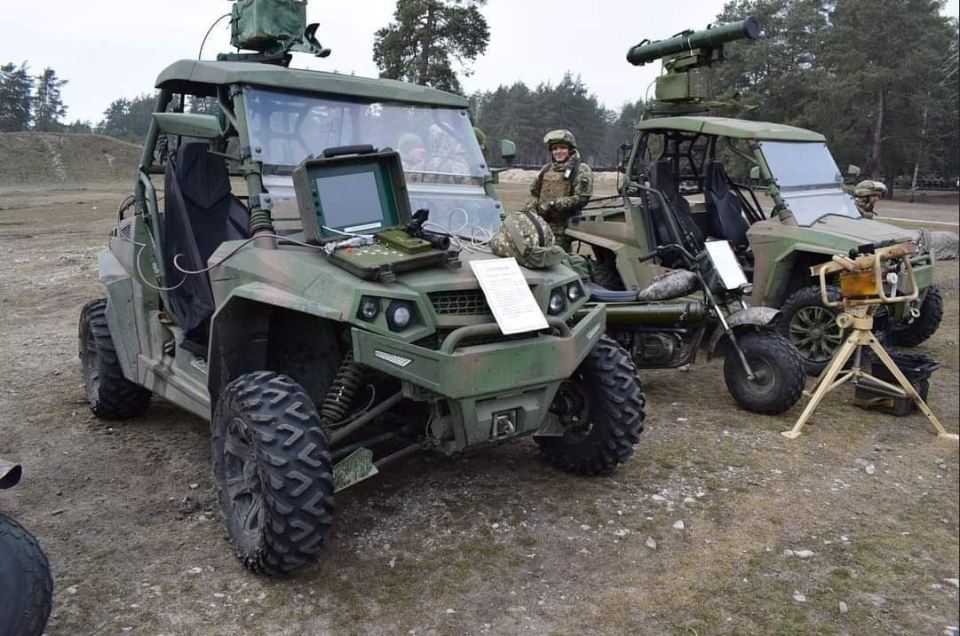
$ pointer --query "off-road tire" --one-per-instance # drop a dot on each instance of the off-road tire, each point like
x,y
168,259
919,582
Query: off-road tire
x,y
608,377
266,425
797,313
924,325
605,273
26,588
111,396
778,370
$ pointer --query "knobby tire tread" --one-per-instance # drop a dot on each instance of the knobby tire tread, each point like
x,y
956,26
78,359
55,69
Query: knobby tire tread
x,y
293,464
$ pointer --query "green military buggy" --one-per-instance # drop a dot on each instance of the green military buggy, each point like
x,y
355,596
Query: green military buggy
x,y
309,291
773,192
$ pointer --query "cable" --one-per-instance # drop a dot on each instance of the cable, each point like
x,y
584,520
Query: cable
x,y
204,41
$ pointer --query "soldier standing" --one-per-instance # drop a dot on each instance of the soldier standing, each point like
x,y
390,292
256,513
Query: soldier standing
x,y
866,193
563,186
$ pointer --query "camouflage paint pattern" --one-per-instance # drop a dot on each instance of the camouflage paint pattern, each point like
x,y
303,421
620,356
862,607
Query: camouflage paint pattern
x,y
255,283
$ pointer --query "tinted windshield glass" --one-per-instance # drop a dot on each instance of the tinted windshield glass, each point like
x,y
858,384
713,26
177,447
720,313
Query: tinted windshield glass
x,y
285,128
801,164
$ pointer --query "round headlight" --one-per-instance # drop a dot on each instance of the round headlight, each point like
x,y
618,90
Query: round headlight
x,y
574,291
369,308
557,302
399,315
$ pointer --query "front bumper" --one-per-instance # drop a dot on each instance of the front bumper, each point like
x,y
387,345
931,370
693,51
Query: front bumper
x,y
459,372
485,385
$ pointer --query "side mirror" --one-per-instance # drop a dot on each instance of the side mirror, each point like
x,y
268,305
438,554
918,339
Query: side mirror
x,y
189,125
755,173
508,150
853,171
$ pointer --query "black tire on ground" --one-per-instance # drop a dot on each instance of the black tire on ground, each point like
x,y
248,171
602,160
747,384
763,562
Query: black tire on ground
x,y
272,471
924,325
602,406
811,327
605,271
26,589
111,396
778,371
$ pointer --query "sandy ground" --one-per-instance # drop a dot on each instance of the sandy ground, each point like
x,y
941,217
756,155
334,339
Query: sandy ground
x,y
690,537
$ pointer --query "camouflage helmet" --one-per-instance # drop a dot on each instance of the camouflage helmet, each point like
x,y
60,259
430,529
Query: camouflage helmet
x,y
868,188
561,136
529,239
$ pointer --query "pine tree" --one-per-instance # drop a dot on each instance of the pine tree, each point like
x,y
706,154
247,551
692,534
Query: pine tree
x,y
427,37
16,85
48,105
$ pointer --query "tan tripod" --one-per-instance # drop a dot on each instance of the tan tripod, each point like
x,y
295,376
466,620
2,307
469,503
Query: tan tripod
x,y
862,293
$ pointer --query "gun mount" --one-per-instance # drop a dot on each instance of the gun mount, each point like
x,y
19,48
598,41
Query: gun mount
x,y
272,28
682,88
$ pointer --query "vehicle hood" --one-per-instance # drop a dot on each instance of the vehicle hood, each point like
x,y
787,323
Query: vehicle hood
x,y
832,233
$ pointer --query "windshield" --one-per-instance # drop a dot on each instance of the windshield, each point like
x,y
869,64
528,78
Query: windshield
x,y
285,128
808,179
443,165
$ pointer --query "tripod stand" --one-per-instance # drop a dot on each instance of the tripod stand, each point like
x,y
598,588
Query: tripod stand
x,y
862,293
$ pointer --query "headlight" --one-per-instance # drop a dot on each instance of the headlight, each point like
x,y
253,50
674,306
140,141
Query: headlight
x,y
557,302
399,315
574,292
369,308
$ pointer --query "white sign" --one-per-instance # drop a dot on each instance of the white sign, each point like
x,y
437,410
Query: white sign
x,y
726,264
510,299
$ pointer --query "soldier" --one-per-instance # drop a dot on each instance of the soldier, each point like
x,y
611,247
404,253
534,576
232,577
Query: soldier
x,y
413,153
563,186
866,194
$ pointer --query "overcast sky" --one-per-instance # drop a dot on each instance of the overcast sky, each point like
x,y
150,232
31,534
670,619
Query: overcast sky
x,y
116,48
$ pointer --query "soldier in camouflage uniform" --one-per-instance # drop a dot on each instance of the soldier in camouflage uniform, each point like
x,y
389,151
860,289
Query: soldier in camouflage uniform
x,y
866,194
563,186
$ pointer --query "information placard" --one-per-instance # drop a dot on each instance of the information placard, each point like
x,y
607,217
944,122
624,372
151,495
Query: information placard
x,y
510,299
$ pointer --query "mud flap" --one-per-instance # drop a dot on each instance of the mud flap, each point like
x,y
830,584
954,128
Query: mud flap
x,y
353,469
751,316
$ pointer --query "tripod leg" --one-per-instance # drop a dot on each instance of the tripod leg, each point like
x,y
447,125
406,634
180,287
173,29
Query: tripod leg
x,y
824,383
909,390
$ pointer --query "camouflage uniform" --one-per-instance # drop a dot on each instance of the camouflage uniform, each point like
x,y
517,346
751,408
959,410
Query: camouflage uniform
x,y
561,189
865,194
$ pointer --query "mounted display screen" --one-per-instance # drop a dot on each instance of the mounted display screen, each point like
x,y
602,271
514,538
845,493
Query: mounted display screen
x,y
353,194
350,202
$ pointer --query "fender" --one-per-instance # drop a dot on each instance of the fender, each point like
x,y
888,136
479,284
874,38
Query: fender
x,y
740,321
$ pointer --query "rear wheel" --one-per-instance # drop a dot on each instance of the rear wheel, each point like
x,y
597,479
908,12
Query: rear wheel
x,y
924,325
811,327
26,589
272,471
777,368
111,396
601,408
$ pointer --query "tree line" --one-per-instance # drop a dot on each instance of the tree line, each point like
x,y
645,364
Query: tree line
x,y
877,77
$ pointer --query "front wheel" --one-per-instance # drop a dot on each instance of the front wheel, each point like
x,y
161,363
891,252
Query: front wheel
x,y
777,368
601,408
26,589
272,471
924,325
811,327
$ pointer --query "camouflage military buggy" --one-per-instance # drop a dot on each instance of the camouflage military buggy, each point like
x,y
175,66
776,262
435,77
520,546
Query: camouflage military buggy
x,y
773,192
308,291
